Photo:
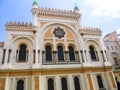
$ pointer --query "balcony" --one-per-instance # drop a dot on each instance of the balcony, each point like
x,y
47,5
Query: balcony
x,y
65,59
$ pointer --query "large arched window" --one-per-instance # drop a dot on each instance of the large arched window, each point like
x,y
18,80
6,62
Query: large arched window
x,y
92,53
20,85
76,83
64,84
48,53
99,80
22,52
71,53
50,84
60,53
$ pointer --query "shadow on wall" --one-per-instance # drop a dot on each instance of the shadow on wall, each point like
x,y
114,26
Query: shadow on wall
x,y
118,84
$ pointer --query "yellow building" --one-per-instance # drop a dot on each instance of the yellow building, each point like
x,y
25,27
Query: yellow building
x,y
54,53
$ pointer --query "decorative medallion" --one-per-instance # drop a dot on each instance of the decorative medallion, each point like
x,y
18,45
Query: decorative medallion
x,y
59,32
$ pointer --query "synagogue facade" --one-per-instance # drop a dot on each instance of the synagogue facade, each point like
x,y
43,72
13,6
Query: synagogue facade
x,y
54,53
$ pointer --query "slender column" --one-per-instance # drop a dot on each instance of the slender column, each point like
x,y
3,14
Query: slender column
x,y
6,56
3,57
103,48
55,56
34,56
38,56
26,84
7,83
77,58
71,82
106,55
32,82
102,55
104,81
27,55
82,56
97,55
14,85
67,56
17,55
9,56
58,83
43,57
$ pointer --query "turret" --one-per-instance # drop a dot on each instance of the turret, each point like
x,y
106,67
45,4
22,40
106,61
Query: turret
x,y
35,4
35,8
76,8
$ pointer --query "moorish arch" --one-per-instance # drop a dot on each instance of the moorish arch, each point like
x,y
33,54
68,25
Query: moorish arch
x,y
48,34
93,49
22,47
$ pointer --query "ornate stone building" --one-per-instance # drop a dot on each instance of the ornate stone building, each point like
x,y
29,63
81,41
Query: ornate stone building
x,y
54,53
112,43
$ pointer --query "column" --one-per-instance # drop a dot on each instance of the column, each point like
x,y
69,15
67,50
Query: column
x,y
9,56
14,84
38,56
26,84
67,56
55,60
7,83
6,56
103,48
77,58
34,56
58,83
82,56
71,82
43,57
3,57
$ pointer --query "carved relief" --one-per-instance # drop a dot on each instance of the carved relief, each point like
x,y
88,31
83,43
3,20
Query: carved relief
x,y
69,34
48,33
59,32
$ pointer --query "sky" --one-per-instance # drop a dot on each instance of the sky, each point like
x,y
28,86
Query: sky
x,y
104,14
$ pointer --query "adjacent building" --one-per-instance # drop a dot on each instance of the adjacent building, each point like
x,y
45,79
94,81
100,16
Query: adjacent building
x,y
112,44
54,53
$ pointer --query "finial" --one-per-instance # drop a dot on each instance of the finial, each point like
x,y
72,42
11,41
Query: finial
x,y
76,8
35,2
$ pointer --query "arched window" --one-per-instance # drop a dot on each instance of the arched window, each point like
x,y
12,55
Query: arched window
x,y
22,52
64,84
99,80
76,83
20,85
48,53
71,53
92,53
116,61
60,53
50,84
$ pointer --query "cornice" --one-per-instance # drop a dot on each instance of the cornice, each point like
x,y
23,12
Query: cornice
x,y
56,13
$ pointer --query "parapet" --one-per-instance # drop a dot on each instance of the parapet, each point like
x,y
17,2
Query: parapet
x,y
53,12
19,26
90,31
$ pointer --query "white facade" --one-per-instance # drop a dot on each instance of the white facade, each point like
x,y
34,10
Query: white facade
x,y
54,28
